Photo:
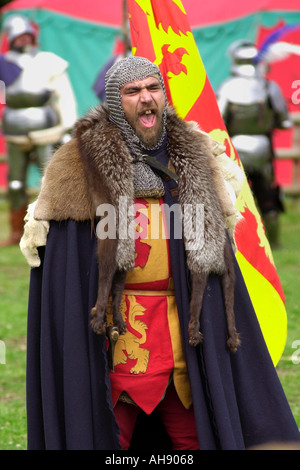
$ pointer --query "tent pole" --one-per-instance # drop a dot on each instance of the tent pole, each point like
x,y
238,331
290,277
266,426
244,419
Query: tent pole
x,y
125,29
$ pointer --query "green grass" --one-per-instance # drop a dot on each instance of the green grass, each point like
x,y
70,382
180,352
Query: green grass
x,y
14,281
287,260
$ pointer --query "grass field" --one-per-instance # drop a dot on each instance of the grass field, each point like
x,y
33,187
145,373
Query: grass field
x,y
287,261
14,280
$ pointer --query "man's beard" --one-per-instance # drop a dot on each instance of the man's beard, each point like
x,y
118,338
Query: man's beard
x,y
151,137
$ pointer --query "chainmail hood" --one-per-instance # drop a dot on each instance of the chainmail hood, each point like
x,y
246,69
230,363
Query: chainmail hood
x,y
124,71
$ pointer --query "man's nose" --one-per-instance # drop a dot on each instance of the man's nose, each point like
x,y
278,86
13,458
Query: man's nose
x,y
145,96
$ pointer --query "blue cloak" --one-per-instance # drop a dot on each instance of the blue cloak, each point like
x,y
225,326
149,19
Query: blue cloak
x,y
238,399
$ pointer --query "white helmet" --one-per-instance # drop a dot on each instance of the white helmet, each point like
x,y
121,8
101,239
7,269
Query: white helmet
x,y
17,25
243,56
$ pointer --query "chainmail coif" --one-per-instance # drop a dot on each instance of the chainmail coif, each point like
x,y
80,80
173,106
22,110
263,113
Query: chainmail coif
x,y
129,69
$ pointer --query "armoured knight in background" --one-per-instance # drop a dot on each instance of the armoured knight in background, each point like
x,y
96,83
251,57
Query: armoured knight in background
x,y
40,112
252,107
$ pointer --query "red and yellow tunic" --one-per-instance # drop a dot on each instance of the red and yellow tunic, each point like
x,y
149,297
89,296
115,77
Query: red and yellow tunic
x,y
151,349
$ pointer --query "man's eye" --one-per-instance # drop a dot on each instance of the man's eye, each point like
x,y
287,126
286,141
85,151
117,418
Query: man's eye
x,y
130,92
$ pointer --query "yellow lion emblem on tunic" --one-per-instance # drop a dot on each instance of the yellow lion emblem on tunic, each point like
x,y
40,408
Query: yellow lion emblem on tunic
x,y
129,345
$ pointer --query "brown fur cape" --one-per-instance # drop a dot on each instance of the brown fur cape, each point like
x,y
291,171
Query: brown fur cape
x,y
95,167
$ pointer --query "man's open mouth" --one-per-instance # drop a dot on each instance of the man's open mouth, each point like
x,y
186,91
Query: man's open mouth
x,y
147,118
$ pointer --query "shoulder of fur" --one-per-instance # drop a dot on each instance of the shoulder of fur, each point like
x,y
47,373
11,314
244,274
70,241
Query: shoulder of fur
x,y
108,170
64,192
185,141
93,168
105,157
207,151
190,149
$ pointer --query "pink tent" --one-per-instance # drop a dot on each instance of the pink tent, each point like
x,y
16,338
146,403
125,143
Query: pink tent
x,y
200,13
71,29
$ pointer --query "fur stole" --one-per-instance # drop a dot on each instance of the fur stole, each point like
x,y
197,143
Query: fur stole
x,y
95,168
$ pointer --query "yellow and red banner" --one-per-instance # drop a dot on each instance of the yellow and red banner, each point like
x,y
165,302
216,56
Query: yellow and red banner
x,y
160,31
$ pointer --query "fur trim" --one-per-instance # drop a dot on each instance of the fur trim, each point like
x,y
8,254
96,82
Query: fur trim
x,y
108,170
64,192
191,156
95,168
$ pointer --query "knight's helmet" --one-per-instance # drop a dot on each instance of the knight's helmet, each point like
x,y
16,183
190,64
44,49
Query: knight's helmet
x,y
16,25
243,55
